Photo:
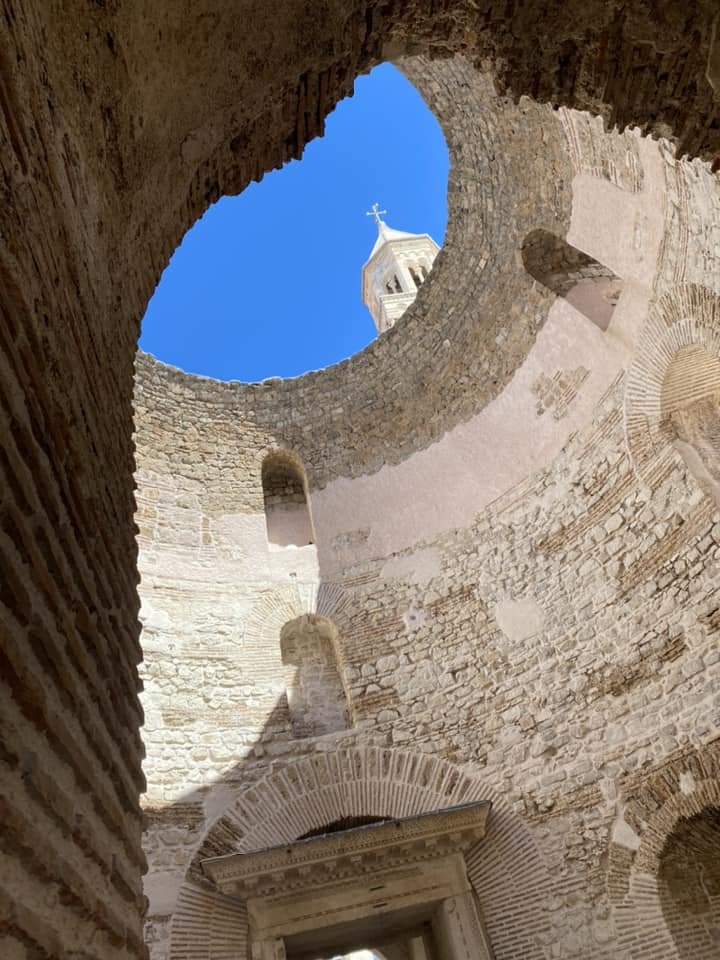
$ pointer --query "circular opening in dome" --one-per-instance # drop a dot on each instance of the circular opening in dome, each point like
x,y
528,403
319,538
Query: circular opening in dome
x,y
303,269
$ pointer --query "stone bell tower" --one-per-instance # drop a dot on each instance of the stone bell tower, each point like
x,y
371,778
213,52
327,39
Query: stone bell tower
x,y
398,264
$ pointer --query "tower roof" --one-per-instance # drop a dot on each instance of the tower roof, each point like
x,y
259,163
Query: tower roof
x,y
386,233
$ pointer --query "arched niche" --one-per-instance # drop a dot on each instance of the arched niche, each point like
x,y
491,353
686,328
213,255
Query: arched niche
x,y
690,411
689,885
673,386
662,880
287,512
586,284
316,692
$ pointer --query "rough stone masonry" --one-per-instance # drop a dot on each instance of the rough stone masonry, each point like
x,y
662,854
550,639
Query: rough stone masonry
x,y
536,626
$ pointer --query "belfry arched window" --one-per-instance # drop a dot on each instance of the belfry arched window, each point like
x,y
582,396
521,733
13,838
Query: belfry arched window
x,y
588,285
287,514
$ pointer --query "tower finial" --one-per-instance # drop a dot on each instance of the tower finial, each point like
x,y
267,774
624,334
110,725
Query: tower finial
x,y
374,212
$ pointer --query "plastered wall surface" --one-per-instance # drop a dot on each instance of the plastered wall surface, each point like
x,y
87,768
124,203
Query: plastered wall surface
x,y
538,613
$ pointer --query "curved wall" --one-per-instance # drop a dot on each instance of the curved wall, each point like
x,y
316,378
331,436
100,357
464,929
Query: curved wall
x,y
509,594
120,124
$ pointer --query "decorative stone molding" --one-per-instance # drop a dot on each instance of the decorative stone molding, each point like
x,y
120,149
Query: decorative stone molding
x,y
687,316
365,881
506,869
358,850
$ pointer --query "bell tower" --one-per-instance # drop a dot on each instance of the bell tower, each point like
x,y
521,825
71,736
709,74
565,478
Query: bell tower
x,y
396,268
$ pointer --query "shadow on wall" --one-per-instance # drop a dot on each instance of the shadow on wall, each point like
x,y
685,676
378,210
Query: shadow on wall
x,y
179,836
304,766
317,694
588,285
689,885
313,713
285,791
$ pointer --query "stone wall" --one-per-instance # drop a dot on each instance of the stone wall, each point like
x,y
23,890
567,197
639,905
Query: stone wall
x,y
690,884
537,616
287,517
71,857
120,124
316,693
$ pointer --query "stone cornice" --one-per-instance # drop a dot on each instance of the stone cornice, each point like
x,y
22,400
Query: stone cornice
x,y
350,853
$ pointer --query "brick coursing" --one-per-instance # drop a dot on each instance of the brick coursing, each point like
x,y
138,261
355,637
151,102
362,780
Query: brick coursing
x,y
117,132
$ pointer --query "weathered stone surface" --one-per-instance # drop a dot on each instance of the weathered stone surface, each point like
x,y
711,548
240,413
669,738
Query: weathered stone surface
x,y
119,125
511,597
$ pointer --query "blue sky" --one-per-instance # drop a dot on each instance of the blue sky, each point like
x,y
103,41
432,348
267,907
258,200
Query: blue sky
x,y
267,283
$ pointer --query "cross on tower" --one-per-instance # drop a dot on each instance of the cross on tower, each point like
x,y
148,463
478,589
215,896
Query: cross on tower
x,y
374,212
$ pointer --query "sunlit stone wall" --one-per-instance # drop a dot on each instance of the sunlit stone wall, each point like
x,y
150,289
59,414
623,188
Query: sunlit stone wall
x,y
516,589
118,128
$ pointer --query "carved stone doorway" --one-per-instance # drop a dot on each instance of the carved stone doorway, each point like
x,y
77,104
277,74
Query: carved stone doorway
x,y
399,887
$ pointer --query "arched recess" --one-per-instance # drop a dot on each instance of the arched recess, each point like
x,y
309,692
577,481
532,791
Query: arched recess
x,y
672,397
285,496
586,284
690,412
654,909
507,869
689,885
316,692
96,210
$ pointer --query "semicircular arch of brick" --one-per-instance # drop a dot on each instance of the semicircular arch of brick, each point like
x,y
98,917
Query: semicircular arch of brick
x,y
633,875
270,611
507,869
281,605
687,316
276,608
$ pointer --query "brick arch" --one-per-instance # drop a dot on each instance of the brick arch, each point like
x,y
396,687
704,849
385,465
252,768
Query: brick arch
x,y
684,788
105,146
273,610
507,869
686,317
